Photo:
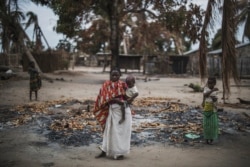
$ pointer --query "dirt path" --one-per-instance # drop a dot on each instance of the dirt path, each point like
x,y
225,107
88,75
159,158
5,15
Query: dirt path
x,y
24,146
21,147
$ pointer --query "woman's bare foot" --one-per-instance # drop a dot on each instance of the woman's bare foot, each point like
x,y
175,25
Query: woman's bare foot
x,y
120,157
101,155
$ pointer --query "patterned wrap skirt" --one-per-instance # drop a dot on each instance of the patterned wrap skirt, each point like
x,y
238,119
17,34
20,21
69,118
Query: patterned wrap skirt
x,y
210,121
116,137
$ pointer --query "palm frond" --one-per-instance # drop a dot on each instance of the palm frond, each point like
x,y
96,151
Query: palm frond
x,y
31,20
203,39
229,68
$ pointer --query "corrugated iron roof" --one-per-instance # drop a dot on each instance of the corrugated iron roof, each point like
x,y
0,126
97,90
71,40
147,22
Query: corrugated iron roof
x,y
220,50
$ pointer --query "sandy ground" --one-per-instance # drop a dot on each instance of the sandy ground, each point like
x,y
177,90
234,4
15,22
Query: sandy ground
x,y
20,147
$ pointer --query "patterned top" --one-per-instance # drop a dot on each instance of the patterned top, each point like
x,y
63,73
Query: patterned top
x,y
108,91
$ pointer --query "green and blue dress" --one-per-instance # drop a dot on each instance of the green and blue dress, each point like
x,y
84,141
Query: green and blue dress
x,y
210,117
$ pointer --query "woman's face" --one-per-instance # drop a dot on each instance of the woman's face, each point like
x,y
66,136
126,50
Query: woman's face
x,y
115,76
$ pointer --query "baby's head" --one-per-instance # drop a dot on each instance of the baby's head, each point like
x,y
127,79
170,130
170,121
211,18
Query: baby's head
x,y
130,81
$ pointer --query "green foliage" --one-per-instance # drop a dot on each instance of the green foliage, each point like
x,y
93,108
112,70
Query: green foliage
x,y
195,87
10,23
156,23
64,44
185,19
216,42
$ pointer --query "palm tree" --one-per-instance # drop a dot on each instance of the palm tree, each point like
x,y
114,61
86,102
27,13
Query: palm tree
x,y
37,30
228,42
203,40
229,68
9,19
243,17
12,32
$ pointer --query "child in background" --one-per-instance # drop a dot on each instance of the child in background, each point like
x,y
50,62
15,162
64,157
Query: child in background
x,y
131,94
210,118
35,80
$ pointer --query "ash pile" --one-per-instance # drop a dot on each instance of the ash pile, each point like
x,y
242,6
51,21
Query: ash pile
x,y
155,120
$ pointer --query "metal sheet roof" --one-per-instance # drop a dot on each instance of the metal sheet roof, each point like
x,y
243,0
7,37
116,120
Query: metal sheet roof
x,y
218,51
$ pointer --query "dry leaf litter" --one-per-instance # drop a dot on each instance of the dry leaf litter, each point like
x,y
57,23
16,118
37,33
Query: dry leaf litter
x,y
164,120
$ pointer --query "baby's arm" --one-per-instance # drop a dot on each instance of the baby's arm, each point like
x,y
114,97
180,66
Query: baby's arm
x,y
131,99
123,114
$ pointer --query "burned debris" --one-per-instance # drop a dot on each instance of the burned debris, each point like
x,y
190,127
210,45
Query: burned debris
x,y
163,120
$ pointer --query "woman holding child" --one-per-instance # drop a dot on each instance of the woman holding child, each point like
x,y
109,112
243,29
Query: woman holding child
x,y
108,112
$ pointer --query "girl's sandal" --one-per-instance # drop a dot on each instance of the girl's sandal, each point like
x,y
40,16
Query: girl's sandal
x,y
210,142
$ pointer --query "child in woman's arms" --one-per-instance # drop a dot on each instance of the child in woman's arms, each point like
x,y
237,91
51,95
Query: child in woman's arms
x,y
131,94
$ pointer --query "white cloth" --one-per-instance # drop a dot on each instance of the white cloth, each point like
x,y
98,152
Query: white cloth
x,y
131,91
116,137
213,94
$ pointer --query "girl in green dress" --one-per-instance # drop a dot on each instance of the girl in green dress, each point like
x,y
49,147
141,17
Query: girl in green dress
x,y
210,117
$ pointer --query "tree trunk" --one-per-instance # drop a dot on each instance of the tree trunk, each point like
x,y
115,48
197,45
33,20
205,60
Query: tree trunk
x,y
31,58
229,66
23,36
114,38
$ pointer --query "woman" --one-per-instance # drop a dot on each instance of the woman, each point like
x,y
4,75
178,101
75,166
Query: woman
x,y
108,112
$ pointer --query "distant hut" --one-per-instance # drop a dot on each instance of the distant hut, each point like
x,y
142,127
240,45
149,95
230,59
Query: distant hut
x,y
179,63
243,61
193,62
126,61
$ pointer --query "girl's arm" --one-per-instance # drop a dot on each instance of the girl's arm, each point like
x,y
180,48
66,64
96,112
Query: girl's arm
x,y
207,93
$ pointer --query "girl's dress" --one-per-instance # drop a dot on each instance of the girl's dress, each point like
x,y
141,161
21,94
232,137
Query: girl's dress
x,y
210,117
35,80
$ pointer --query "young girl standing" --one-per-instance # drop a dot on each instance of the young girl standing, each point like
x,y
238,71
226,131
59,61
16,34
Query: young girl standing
x,y
210,117
35,80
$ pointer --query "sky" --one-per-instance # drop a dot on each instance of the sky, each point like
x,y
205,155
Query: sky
x,y
47,20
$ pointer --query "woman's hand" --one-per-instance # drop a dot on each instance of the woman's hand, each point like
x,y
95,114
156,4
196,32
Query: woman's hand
x,y
117,100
